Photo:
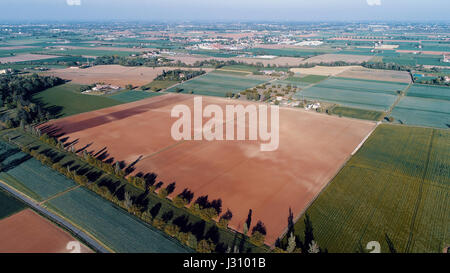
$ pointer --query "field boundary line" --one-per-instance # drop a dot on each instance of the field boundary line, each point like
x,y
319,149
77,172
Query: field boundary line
x,y
59,194
398,99
419,197
236,71
365,139
301,213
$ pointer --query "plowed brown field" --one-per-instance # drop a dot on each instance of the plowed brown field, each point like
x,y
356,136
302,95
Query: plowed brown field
x,y
27,232
312,149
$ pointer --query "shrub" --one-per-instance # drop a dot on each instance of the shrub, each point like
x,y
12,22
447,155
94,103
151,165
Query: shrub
x,y
159,224
172,230
192,241
183,237
179,201
163,193
205,246
257,238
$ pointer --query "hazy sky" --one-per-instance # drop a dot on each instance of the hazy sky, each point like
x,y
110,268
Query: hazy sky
x,y
229,10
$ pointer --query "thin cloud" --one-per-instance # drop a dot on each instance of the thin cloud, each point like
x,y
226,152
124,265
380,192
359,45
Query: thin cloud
x,y
73,2
374,2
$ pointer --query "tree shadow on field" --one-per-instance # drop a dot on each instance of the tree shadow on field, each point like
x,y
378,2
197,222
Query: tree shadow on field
x,y
131,167
198,229
55,110
187,195
96,154
84,147
213,234
104,155
110,184
68,163
142,201
182,222
68,144
14,163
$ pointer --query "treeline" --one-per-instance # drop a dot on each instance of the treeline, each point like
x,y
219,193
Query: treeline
x,y
133,61
179,75
193,235
436,81
16,94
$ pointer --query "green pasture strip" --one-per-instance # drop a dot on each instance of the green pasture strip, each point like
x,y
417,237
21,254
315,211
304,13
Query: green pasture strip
x,y
357,113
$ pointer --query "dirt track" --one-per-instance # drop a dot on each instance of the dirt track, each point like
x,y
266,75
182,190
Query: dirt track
x,y
313,147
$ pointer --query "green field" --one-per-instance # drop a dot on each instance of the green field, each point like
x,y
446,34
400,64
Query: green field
x,y
291,52
397,184
213,53
29,176
424,105
158,85
66,100
112,225
130,96
307,79
429,92
87,52
242,67
217,84
301,81
423,112
9,205
413,60
12,52
365,94
357,113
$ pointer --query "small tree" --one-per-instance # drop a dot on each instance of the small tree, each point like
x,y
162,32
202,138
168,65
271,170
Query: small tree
x,y
179,201
225,218
163,193
313,247
245,230
172,230
127,200
205,246
291,243
192,241
116,168
258,234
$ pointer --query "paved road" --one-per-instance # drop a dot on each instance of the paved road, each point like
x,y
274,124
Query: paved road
x,y
91,242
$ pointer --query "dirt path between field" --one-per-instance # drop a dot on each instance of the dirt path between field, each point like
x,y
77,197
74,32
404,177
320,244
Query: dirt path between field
x,y
59,194
397,100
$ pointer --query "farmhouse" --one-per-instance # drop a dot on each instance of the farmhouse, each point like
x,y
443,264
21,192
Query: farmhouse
x,y
5,71
446,59
312,106
309,43
105,87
